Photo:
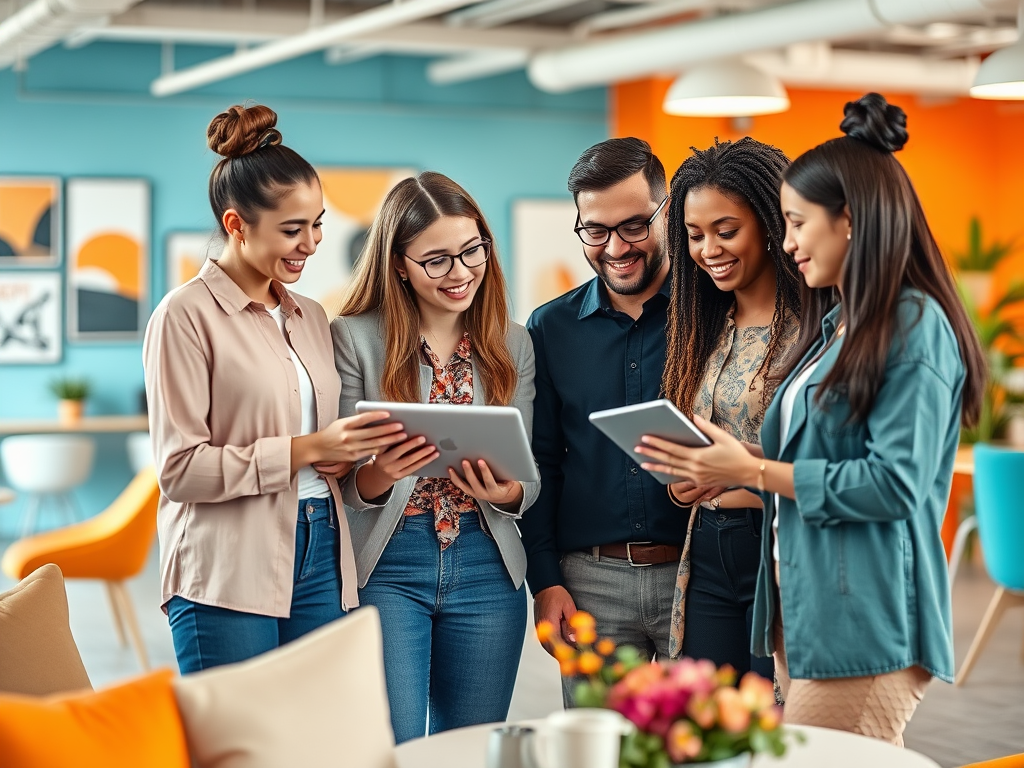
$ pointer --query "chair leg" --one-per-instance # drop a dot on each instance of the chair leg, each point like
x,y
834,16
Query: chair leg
x,y
28,521
128,612
1001,600
116,610
959,544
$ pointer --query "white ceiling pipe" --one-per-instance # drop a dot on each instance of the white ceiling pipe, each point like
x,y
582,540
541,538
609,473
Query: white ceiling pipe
x,y
644,14
675,47
498,12
815,66
474,66
43,23
380,17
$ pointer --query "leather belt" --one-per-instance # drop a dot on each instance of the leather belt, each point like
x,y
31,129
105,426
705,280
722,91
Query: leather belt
x,y
640,552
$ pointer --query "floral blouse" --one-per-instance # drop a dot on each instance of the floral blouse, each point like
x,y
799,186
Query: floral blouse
x,y
452,384
732,396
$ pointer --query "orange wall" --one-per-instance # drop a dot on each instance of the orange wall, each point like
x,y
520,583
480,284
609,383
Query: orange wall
x,y
965,156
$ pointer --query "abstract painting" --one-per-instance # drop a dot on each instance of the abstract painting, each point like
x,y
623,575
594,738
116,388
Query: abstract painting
x,y
352,198
30,321
29,222
186,252
108,258
548,257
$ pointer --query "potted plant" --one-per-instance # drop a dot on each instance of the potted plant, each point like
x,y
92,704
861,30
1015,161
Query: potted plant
x,y
684,711
975,265
71,394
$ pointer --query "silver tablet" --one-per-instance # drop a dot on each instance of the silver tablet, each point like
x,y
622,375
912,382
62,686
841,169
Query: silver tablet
x,y
493,433
658,418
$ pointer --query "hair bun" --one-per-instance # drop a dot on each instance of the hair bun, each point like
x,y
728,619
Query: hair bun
x,y
875,121
240,130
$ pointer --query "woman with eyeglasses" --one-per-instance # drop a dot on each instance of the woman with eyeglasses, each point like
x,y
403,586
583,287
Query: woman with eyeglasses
x,y
426,319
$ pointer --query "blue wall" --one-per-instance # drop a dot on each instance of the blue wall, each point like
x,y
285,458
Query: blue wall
x,y
87,112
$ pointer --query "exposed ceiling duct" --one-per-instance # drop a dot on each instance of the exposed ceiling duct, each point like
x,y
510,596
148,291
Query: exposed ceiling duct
x,y
43,23
675,47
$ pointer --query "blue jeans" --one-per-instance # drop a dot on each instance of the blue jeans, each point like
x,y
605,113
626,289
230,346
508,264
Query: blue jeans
x,y
207,636
453,626
725,553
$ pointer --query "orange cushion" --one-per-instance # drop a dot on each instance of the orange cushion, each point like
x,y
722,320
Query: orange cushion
x,y
133,724
1012,761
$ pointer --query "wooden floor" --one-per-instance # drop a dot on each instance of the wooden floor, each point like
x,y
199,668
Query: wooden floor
x,y
954,726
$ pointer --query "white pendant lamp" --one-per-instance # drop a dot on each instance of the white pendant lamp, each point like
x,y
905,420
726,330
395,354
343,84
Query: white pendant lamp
x,y
1001,75
725,89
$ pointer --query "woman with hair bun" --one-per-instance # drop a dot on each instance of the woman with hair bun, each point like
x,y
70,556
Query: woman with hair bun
x,y
859,443
243,411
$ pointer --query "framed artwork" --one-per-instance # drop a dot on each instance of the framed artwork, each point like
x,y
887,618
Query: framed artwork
x,y
108,247
30,317
185,253
29,222
352,198
547,255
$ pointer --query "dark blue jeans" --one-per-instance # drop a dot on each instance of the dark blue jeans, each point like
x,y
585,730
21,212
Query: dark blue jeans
x,y
207,636
725,553
453,626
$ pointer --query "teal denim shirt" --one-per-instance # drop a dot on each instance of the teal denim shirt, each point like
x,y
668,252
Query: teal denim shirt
x,y
863,577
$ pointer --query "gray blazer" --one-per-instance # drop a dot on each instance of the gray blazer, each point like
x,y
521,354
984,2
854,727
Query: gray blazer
x,y
359,358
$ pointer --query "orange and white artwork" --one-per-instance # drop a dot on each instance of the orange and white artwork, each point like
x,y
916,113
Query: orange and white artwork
x,y
548,257
108,258
29,222
352,198
186,252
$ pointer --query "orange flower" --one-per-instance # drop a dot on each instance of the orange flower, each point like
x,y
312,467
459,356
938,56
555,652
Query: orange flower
x,y
582,620
586,635
564,652
545,629
757,692
567,667
605,646
732,714
590,662
770,719
683,741
703,710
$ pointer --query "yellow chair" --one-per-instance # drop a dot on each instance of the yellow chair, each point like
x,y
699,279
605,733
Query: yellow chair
x,y
1011,761
112,546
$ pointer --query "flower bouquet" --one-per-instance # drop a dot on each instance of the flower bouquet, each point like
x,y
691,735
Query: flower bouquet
x,y
684,711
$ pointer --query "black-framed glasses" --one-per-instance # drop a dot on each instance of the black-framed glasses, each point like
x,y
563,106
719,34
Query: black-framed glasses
x,y
439,266
628,231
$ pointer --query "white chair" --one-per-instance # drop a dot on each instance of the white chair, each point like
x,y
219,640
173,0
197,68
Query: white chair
x,y
46,468
140,451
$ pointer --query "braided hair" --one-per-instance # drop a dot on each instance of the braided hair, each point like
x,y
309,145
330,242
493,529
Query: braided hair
x,y
746,171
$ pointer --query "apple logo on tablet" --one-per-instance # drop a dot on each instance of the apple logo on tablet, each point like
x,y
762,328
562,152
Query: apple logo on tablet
x,y
447,444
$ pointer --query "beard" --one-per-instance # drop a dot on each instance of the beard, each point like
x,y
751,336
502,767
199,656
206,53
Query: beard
x,y
631,285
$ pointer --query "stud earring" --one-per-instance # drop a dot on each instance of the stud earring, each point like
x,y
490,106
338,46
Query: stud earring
x,y
849,236
769,245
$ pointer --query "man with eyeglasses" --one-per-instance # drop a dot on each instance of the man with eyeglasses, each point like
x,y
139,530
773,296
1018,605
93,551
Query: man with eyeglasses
x,y
603,536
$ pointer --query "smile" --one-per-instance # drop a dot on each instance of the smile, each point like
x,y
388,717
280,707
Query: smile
x,y
624,265
294,265
457,291
721,269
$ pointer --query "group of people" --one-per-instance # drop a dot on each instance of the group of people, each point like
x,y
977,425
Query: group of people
x,y
800,312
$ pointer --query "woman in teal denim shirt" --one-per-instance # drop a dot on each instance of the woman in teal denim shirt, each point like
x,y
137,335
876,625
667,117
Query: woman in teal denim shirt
x,y
859,442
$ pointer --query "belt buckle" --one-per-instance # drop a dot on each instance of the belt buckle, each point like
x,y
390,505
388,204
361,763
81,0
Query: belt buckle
x,y
629,554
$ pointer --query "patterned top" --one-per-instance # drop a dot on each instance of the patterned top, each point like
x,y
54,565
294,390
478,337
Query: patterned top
x,y
452,384
731,396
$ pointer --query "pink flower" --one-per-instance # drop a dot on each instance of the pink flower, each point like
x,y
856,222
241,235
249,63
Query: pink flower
x,y
683,741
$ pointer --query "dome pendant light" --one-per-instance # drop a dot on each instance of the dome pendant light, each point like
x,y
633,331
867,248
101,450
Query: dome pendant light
x,y
729,88
1001,75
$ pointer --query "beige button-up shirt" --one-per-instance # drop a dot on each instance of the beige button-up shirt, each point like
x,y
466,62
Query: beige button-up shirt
x,y
223,404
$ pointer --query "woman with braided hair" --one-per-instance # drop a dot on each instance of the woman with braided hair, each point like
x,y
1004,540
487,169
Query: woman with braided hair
x,y
733,316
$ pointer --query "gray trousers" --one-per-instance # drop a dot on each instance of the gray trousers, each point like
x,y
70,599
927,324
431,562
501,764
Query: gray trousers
x,y
631,604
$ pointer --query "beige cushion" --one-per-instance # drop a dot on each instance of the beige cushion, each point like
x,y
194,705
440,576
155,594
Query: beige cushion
x,y
38,655
318,701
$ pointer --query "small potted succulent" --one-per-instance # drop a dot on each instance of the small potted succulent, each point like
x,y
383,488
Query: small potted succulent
x,y
685,712
71,395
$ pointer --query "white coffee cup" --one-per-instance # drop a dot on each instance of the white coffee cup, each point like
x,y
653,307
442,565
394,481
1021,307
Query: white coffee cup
x,y
581,738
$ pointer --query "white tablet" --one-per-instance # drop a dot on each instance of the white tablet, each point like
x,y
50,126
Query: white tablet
x,y
658,418
493,433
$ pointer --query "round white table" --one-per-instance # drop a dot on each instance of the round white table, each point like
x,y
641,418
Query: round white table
x,y
467,748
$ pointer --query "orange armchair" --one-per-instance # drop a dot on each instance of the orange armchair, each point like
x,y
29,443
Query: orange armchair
x,y
1012,761
112,546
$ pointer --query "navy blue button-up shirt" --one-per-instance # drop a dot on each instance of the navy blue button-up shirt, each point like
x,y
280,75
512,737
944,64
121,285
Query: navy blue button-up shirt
x,y
591,357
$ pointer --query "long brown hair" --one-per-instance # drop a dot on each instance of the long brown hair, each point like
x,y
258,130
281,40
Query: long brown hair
x,y
891,247
409,208
746,171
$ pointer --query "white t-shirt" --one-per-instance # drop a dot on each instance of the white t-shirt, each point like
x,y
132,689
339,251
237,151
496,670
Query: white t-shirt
x,y
785,421
311,484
